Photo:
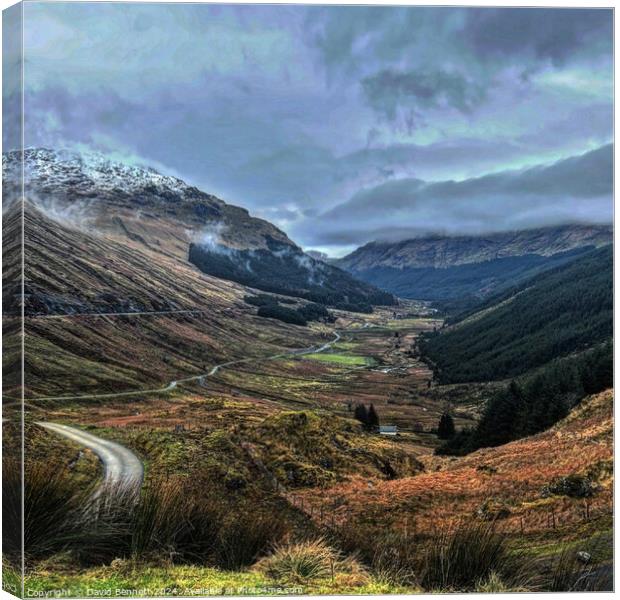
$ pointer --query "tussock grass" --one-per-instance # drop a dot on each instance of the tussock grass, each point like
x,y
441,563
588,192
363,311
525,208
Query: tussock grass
x,y
492,584
464,557
246,536
308,561
53,505
300,562
174,520
11,578
459,558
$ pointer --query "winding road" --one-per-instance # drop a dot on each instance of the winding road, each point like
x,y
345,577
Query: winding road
x,y
121,466
200,378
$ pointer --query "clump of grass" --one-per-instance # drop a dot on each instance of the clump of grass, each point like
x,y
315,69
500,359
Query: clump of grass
x,y
180,521
11,578
461,557
245,536
11,508
174,520
300,562
492,584
53,502
395,559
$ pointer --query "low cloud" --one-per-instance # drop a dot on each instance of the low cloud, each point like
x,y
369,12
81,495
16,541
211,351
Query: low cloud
x,y
577,189
80,215
210,236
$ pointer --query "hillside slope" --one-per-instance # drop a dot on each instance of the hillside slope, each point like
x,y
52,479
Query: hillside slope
x,y
445,268
556,313
513,478
73,277
148,211
191,321
285,270
448,251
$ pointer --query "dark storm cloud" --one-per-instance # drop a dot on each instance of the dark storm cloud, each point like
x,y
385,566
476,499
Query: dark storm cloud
x,y
400,55
352,39
289,110
387,89
575,189
552,33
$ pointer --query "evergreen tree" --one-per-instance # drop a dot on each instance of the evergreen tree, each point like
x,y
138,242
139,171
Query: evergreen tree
x,y
361,414
373,419
445,429
550,316
538,401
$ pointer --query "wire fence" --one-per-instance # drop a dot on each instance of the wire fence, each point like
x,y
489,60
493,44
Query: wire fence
x,y
535,520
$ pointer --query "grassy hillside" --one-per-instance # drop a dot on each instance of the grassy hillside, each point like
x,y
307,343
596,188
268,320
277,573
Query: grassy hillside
x,y
71,274
517,483
552,315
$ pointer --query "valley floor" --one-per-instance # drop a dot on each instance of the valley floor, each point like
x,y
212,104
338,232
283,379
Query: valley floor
x,y
280,434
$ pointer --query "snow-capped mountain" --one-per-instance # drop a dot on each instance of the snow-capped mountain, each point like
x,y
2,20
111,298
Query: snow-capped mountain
x,y
64,169
148,211
103,191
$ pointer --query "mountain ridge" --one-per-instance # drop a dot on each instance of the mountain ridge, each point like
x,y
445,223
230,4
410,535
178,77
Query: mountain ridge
x,y
467,268
439,251
169,219
80,189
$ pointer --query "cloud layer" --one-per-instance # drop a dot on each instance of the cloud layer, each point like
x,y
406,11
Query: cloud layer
x,y
292,110
573,190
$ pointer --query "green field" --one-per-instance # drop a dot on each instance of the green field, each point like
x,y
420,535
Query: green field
x,y
349,360
345,346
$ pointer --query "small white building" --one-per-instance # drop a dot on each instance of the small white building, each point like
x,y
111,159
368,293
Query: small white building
x,y
388,429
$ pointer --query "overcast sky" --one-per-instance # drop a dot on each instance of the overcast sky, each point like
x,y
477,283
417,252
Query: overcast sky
x,y
339,124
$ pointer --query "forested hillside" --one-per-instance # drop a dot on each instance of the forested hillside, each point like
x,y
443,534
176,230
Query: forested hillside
x,y
284,269
535,402
552,315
